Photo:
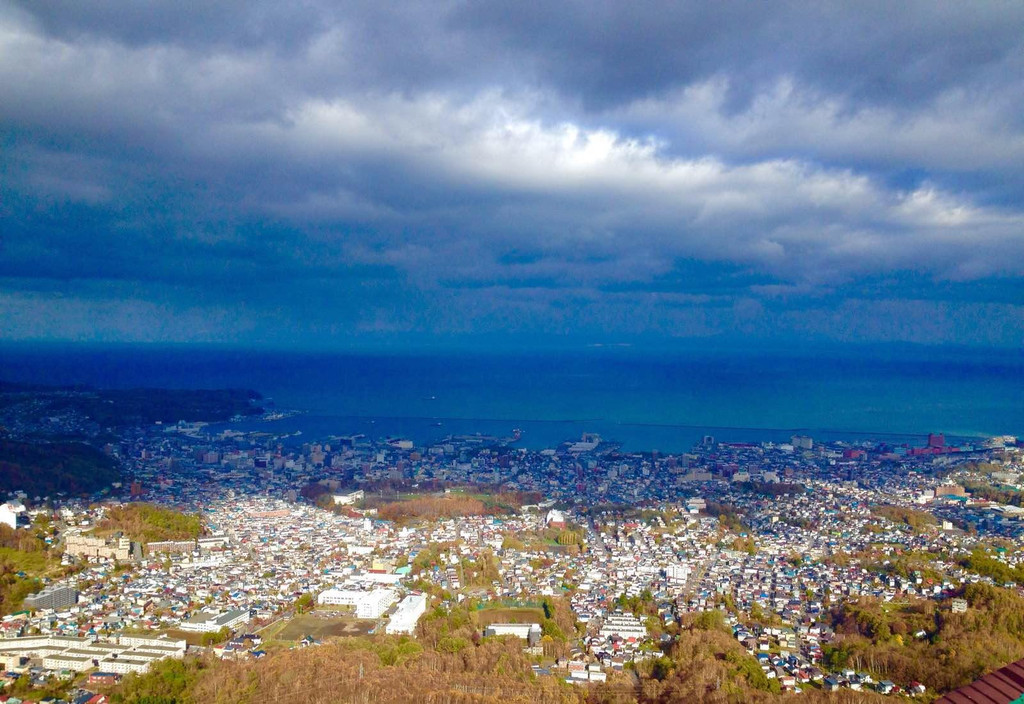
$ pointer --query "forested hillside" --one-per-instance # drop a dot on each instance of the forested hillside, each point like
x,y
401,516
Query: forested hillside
x,y
921,641
25,558
44,469
449,663
148,523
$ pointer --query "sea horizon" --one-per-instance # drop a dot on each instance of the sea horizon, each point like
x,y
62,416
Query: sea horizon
x,y
644,399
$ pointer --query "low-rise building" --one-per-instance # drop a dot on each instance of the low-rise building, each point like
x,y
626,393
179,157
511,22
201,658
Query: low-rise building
x,y
213,621
530,632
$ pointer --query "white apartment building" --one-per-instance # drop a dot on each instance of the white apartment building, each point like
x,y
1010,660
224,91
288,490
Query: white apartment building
x,y
623,626
81,654
408,614
123,664
9,513
367,604
348,499
137,640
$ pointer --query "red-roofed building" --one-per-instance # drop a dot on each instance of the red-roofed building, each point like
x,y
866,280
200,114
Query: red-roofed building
x,y
1004,686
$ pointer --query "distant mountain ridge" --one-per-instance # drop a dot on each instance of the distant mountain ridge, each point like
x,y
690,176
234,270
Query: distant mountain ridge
x,y
139,406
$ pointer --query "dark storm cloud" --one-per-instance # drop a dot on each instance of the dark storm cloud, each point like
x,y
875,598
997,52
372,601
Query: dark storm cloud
x,y
230,24
600,50
883,52
691,169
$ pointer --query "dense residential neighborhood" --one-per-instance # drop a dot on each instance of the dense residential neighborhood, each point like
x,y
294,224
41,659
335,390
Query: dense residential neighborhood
x,y
765,537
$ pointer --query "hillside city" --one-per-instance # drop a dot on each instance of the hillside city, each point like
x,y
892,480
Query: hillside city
x,y
301,543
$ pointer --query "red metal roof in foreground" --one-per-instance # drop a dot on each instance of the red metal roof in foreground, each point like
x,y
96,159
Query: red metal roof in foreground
x,y
1003,686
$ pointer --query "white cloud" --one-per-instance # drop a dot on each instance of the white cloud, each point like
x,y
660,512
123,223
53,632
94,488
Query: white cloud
x,y
959,130
788,217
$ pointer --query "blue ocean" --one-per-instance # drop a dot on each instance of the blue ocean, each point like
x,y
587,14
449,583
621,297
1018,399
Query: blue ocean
x,y
663,400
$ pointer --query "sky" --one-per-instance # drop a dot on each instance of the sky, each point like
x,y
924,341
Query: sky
x,y
321,173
